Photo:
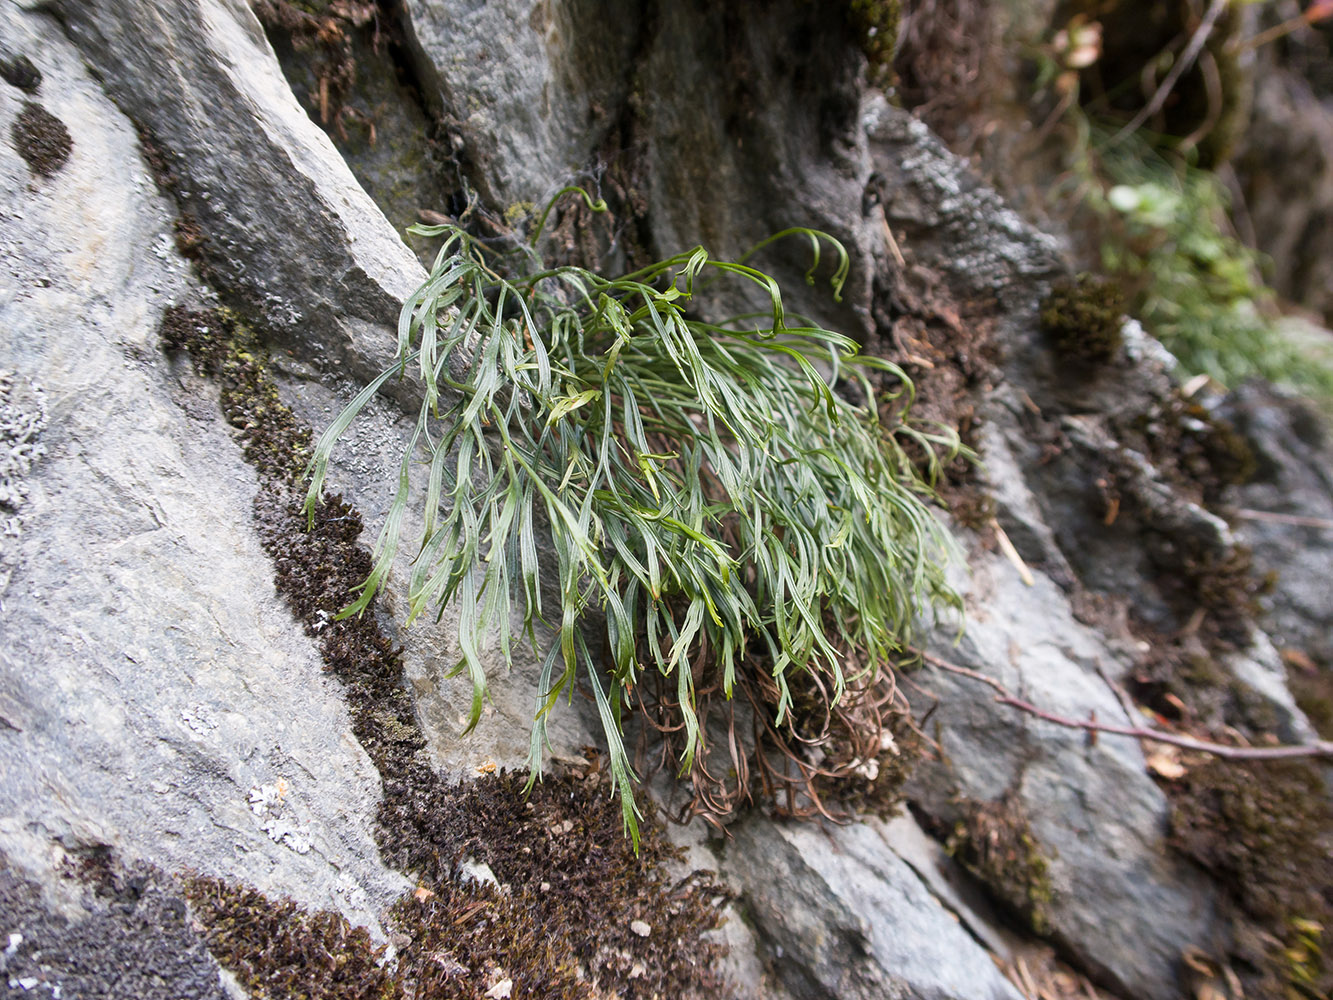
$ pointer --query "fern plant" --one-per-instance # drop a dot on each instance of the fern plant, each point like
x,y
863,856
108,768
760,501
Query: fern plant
x,y
710,501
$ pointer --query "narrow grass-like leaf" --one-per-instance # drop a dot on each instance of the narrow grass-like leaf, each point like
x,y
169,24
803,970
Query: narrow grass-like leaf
x,y
712,504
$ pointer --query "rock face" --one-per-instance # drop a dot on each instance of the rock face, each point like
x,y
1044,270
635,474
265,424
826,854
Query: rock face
x,y
156,696
1293,485
1285,166
529,90
712,124
843,915
288,228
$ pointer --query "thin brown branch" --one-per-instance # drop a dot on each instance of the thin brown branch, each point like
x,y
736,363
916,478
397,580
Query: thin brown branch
x,y
1296,519
1178,69
1003,696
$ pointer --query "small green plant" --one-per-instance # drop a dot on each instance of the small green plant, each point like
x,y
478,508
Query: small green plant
x,y
712,504
1200,290
1082,318
995,842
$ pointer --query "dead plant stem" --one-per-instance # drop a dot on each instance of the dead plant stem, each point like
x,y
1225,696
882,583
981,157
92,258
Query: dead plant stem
x,y
1003,696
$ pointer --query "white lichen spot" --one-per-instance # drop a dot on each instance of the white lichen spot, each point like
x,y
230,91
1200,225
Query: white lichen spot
x,y
198,719
268,802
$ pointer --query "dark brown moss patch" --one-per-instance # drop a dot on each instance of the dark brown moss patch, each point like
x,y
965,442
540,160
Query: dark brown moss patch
x,y
323,31
562,859
41,139
948,349
1082,318
189,237
573,892
1265,832
1193,448
1311,684
19,71
132,938
994,841
276,949
1213,592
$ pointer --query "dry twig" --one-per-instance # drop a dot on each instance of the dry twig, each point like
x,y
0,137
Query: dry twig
x,y
1003,696
1177,70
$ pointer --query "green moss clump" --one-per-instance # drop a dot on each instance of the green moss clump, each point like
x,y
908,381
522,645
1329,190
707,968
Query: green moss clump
x,y
1265,831
223,348
1082,319
995,842
876,24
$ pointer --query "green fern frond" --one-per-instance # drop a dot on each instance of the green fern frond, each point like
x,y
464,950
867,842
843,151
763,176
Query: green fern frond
x,y
706,492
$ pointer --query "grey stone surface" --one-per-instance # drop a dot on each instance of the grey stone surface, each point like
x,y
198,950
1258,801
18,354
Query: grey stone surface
x,y
945,214
528,89
379,123
730,123
1294,480
751,123
297,238
1099,815
364,469
156,696
1099,818
841,915
288,229
1284,167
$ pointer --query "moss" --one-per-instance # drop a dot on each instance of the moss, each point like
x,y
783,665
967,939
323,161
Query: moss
x,y
1265,832
1082,320
572,891
517,212
223,348
876,25
566,920
1214,593
41,139
20,72
1193,448
276,949
573,888
189,237
995,842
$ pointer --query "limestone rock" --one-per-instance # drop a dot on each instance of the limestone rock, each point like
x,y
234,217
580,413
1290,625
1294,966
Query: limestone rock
x,y
840,914
156,695
528,89
287,227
